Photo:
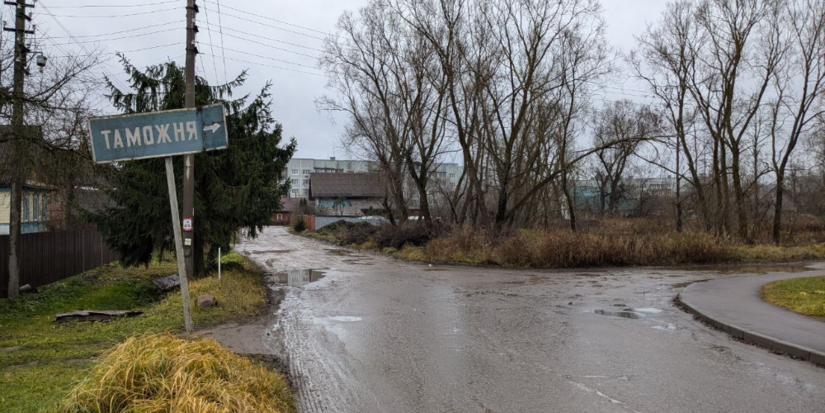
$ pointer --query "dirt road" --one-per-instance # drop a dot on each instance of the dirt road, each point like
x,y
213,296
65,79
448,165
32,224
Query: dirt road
x,y
368,333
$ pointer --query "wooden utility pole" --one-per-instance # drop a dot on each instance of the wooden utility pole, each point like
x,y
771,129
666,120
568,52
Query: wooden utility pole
x,y
19,146
189,160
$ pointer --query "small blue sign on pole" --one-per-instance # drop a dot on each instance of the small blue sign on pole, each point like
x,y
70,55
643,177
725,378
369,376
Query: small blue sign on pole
x,y
158,134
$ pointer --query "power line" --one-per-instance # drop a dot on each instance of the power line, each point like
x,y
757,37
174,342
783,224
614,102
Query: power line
x,y
125,37
91,6
268,18
271,40
111,16
62,26
214,66
273,27
274,67
220,29
268,58
119,51
118,32
273,47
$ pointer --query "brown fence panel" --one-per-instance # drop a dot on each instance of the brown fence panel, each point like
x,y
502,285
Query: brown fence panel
x,y
52,256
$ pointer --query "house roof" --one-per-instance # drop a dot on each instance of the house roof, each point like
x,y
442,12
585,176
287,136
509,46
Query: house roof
x,y
345,185
290,204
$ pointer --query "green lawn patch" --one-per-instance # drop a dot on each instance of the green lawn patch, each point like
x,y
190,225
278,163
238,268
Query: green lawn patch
x,y
801,295
40,359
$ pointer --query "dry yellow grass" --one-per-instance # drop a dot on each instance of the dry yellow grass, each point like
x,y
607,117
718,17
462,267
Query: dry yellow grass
x,y
162,374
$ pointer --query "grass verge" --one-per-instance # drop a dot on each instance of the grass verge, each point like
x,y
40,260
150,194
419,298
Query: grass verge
x,y
805,296
40,359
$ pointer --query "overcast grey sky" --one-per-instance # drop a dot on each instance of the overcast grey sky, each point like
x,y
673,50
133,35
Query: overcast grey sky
x,y
264,36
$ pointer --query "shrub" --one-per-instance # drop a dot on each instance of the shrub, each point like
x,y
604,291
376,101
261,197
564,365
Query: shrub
x,y
561,248
391,236
161,373
300,225
355,232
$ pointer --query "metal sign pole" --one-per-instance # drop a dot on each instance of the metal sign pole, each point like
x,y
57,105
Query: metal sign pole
x,y
184,281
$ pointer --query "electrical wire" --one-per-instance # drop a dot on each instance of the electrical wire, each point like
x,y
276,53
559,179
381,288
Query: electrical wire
x,y
118,32
112,16
218,2
220,29
274,67
65,29
124,37
271,46
268,58
271,40
92,6
273,27
209,30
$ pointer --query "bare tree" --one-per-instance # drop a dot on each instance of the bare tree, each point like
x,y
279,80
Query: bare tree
x,y
800,85
628,125
45,133
664,62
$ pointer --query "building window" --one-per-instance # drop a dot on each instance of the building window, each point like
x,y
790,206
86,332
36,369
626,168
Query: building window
x,y
45,206
280,217
306,193
296,182
36,208
307,171
295,172
452,176
294,192
25,217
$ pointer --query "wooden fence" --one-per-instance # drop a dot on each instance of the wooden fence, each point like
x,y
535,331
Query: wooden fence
x,y
52,256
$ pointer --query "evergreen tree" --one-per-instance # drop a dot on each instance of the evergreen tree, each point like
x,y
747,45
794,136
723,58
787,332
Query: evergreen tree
x,y
236,188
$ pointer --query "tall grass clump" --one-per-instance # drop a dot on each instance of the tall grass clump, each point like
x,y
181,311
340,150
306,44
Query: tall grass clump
x,y
161,373
567,249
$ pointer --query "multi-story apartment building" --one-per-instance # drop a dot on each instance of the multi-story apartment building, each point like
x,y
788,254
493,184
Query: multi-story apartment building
x,y
298,172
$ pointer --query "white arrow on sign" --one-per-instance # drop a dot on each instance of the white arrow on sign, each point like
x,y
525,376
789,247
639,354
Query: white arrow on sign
x,y
212,128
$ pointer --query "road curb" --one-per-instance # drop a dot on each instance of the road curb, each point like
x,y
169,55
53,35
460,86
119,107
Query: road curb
x,y
794,350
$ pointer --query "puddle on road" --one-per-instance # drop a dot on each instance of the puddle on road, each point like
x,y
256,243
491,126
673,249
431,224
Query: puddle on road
x,y
271,252
297,278
751,269
340,252
647,310
624,314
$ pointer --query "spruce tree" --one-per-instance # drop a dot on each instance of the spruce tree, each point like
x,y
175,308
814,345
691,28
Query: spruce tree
x,y
236,188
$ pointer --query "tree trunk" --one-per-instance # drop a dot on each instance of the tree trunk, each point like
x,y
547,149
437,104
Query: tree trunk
x,y
739,193
571,208
501,208
777,211
423,200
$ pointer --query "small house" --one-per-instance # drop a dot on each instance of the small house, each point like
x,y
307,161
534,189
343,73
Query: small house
x,y
346,194
36,206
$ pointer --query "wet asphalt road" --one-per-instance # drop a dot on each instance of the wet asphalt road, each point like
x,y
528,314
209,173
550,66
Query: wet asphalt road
x,y
380,335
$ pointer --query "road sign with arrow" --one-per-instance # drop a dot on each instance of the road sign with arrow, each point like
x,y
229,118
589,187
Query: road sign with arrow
x,y
158,134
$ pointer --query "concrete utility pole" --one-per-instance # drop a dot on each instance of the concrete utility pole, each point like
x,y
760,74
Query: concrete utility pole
x,y
19,147
189,160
